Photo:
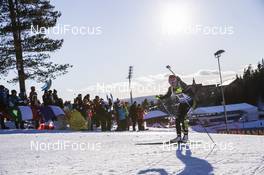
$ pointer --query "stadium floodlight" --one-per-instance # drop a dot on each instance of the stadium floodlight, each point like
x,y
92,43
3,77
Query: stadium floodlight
x,y
130,73
218,55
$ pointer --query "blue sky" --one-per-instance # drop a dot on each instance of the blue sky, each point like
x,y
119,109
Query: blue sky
x,y
133,33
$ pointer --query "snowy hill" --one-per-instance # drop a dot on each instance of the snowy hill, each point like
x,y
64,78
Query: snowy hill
x,y
118,153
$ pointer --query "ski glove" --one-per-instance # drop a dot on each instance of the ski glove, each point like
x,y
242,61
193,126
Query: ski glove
x,y
158,97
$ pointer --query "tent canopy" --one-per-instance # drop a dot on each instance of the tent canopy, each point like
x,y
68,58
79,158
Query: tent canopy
x,y
155,114
26,112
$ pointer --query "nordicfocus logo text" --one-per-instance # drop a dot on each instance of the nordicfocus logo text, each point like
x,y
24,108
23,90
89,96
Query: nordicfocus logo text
x,y
62,145
65,29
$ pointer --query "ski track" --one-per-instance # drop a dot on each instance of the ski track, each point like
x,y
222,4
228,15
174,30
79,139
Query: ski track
x,y
260,168
119,154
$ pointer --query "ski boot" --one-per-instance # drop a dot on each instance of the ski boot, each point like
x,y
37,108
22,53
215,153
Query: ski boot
x,y
176,140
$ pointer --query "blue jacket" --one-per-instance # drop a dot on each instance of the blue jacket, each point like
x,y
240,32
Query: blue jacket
x,y
122,113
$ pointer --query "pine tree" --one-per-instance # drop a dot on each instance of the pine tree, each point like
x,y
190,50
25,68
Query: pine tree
x,y
249,88
26,51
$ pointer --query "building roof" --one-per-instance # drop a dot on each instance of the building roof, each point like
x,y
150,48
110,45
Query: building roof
x,y
220,109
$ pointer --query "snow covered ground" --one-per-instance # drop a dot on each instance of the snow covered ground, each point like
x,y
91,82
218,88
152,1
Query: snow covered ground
x,y
65,152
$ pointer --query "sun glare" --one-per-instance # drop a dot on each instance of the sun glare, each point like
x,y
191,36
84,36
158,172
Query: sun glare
x,y
175,18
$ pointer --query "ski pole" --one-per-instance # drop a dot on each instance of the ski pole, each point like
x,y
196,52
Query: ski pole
x,y
165,108
168,67
205,130
199,121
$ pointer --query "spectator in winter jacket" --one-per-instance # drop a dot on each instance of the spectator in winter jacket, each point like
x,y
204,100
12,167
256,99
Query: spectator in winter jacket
x,y
103,114
33,97
47,98
127,116
125,104
122,112
100,112
133,114
56,100
88,107
109,112
55,97
23,99
78,103
4,95
97,111
51,99
14,102
140,119
116,107
35,106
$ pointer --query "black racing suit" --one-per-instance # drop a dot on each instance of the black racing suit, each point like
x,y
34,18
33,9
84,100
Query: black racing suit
x,y
184,103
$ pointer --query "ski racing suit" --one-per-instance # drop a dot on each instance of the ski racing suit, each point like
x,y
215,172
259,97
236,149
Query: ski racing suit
x,y
183,103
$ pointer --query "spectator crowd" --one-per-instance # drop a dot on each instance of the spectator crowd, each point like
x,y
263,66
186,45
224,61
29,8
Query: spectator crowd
x,y
107,114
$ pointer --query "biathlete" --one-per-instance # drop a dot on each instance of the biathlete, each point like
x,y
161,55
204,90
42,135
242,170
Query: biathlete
x,y
177,92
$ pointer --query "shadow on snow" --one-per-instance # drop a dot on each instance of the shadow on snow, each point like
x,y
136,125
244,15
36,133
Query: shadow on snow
x,y
193,165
